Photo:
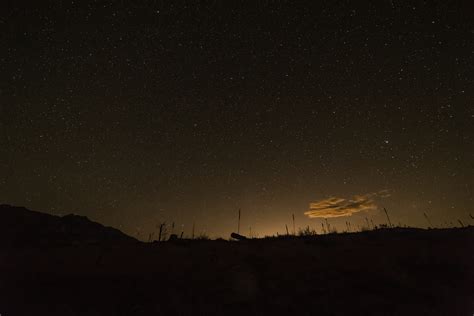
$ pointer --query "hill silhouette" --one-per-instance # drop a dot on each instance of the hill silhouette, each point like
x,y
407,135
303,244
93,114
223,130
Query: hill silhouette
x,y
20,226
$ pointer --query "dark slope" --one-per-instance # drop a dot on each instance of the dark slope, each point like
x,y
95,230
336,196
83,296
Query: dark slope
x,y
22,227
384,272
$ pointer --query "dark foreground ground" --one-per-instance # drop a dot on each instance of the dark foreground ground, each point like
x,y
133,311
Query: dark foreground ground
x,y
397,272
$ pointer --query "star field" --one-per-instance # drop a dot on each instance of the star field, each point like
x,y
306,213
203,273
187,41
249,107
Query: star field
x,y
134,114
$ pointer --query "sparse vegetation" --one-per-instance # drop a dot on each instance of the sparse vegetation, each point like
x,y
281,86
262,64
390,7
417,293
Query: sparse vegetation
x,y
388,217
202,236
307,231
233,277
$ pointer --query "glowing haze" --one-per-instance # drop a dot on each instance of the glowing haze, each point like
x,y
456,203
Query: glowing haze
x,y
139,114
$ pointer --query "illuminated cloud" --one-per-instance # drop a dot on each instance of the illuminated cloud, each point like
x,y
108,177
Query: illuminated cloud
x,y
339,207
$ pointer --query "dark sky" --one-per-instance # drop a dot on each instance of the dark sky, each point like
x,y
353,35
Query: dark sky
x,y
133,114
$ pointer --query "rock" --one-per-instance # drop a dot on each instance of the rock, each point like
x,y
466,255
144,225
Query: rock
x,y
173,237
238,237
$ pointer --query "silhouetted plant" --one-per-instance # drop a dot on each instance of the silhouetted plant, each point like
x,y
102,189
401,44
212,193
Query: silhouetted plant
x,y
150,237
162,232
294,229
333,230
307,231
348,227
428,220
202,236
388,218
328,227
172,228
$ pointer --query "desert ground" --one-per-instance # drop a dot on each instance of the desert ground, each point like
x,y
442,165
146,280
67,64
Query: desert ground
x,y
381,272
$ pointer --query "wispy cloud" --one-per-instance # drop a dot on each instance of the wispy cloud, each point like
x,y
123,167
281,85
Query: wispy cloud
x,y
339,207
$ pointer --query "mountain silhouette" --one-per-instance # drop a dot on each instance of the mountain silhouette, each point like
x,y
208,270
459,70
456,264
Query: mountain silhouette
x,y
20,226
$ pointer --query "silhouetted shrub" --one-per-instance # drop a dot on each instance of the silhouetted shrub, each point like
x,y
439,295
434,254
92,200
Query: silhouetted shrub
x,y
202,236
307,231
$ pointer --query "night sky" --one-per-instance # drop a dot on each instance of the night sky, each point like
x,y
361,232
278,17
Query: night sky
x,y
133,114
